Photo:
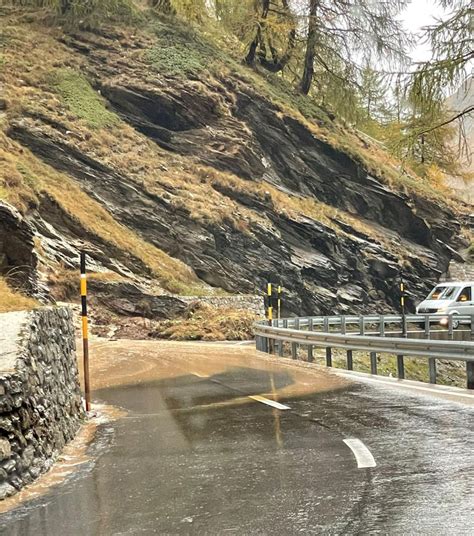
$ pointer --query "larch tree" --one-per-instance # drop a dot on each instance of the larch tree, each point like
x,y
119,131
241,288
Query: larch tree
x,y
452,46
350,30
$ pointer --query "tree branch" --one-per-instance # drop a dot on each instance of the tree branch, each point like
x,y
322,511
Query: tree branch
x,y
466,111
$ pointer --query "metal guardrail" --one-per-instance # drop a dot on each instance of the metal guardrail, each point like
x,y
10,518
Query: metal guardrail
x,y
370,336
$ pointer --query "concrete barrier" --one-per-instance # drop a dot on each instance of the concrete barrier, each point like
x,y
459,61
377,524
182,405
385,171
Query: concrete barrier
x,y
40,398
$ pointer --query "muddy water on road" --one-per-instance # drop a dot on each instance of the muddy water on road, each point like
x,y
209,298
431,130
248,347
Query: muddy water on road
x,y
115,363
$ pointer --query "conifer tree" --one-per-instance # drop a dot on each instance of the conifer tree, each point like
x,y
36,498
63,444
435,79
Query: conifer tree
x,y
348,30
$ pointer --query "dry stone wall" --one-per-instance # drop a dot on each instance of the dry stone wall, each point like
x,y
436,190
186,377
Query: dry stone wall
x,y
245,302
460,271
40,398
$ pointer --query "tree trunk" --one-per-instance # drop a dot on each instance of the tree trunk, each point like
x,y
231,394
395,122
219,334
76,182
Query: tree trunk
x,y
250,58
65,6
308,70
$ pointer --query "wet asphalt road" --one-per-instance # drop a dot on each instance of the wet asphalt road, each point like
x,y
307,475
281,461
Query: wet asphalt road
x,y
195,455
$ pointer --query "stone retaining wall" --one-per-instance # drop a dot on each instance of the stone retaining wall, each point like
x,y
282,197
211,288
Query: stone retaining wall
x,y
460,271
40,398
245,302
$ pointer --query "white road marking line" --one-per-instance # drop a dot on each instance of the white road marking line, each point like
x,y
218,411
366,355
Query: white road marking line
x,y
269,402
361,452
257,398
402,383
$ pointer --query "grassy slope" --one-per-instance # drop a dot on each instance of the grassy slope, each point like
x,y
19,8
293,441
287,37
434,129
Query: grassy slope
x,y
11,300
43,78
38,80
173,55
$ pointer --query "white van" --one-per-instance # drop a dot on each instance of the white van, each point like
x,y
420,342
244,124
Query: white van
x,y
453,298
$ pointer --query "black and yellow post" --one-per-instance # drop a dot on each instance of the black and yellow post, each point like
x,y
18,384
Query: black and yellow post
x,y
270,313
279,293
269,304
85,331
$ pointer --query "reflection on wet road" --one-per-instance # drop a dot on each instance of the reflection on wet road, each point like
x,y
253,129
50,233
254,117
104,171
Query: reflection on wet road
x,y
194,454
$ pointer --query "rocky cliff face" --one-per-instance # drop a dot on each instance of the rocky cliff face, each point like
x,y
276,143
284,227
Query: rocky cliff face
x,y
213,170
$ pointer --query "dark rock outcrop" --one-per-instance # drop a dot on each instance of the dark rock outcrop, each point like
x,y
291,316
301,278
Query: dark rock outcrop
x,y
127,299
18,259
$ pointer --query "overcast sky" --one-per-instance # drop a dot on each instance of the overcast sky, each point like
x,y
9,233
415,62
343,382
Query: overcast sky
x,y
418,14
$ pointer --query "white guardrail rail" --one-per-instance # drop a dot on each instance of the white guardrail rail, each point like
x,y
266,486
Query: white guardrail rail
x,y
427,336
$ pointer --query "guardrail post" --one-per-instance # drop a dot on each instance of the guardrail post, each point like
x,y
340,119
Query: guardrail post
x,y
281,347
470,374
373,363
343,324
361,325
310,346
472,327
294,350
326,324
329,357
350,364
382,326
400,367
404,326
450,327
427,327
263,344
294,345
432,369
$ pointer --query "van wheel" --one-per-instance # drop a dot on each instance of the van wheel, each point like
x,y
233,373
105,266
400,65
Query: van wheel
x,y
455,322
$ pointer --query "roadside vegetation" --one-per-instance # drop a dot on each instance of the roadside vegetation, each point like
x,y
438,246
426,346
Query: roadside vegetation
x,y
448,372
207,323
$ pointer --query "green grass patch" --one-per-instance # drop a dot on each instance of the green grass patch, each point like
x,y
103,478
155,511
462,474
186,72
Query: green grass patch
x,y
81,99
175,59
181,52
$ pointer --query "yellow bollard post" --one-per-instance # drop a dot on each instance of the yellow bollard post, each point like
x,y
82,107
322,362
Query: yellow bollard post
x,y
85,331
279,301
270,303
